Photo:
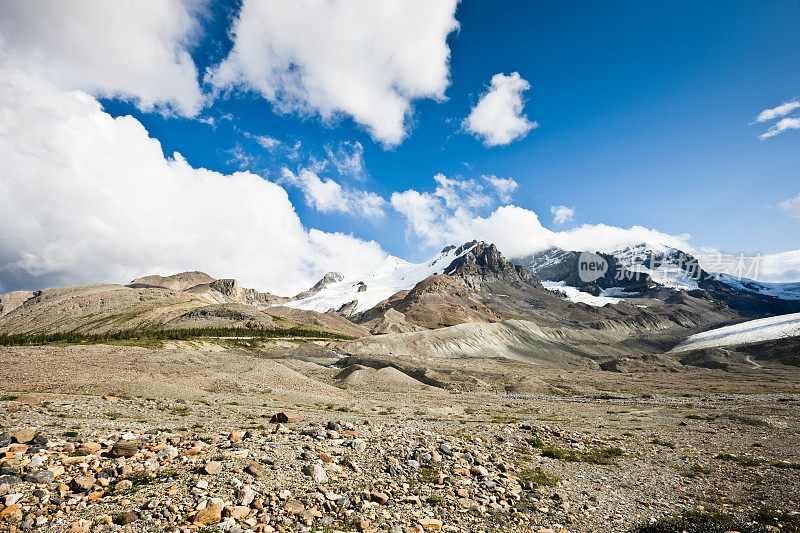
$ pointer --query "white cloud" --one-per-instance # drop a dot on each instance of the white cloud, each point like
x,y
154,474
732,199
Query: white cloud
x,y
133,50
503,186
88,198
777,112
788,123
791,206
360,58
348,159
328,196
498,117
562,214
434,215
447,217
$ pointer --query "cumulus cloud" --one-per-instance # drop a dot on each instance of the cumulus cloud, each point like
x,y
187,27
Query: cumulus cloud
x,y
328,196
777,112
791,206
85,197
433,215
785,124
132,50
364,59
497,119
451,215
562,214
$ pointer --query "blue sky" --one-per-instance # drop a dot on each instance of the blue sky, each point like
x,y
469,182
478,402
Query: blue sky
x,y
644,112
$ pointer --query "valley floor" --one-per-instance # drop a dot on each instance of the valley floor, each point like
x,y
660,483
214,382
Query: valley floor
x,y
182,439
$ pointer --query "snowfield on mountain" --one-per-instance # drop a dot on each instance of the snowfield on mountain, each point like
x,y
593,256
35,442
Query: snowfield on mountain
x,y
763,329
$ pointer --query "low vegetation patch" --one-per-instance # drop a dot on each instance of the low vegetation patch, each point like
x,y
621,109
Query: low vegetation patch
x,y
599,456
140,480
538,477
697,470
697,521
165,334
744,461
664,443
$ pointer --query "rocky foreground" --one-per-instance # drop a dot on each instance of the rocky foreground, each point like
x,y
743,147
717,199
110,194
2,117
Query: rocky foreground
x,y
88,463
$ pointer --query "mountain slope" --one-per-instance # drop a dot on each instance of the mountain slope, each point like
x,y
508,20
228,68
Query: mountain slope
x,y
102,309
393,276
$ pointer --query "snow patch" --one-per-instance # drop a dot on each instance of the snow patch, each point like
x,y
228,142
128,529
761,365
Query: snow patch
x,y
392,276
578,296
763,329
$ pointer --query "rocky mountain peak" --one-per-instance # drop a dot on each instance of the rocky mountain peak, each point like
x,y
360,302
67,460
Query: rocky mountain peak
x,y
328,279
484,262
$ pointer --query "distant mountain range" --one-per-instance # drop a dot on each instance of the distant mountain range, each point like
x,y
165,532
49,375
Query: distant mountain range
x,y
640,301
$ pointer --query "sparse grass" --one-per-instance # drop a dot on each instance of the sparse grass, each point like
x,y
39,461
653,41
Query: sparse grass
x,y
538,477
701,417
142,479
744,461
785,464
436,499
696,471
427,475
664,443
8,397
183,410
717,522
599,456
138,337
113,415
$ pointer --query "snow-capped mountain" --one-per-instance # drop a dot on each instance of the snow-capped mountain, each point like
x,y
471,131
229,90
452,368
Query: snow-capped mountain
x,y
653,265
392,276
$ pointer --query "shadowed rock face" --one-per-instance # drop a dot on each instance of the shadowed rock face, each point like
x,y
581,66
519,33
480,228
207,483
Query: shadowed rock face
x,y
483,263
328,279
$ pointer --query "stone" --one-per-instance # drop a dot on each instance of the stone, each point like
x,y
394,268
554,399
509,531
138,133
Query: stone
x,y
81,483
431,524
284,418
236,436
211,468
211,515
81,526
379,497
168,453
445,450
29,400
40,476
294,507
359,446
325,458
237,512
256,470
316,472
124,448
125,518
480,471
124,484
12,513
246,496
25,435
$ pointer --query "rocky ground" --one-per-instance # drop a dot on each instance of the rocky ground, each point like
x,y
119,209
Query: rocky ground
x,y
419,462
